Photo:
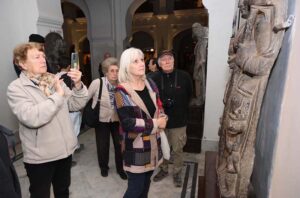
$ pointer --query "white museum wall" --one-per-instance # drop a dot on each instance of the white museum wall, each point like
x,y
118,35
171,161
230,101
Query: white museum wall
x,y
286,167
276,167
221,15
16,25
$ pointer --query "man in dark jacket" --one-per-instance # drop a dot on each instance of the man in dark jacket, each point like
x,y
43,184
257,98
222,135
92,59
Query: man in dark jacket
x,y
9,182
175,89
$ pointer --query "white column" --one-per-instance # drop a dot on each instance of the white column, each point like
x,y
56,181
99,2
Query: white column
x,y
50,17
120,12
220,29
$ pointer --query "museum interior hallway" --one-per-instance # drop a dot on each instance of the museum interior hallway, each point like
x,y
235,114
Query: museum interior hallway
x,y
87,181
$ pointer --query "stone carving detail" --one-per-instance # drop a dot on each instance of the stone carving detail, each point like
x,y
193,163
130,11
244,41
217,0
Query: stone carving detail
x,y
200,33
252,52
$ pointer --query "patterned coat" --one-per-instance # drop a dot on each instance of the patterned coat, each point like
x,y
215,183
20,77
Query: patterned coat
x,y
141,144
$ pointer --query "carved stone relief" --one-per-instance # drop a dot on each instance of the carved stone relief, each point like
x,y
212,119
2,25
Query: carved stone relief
x,y
252,52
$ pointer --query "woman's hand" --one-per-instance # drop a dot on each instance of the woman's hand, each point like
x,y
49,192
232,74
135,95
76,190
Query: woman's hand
x,y
75,75
57,86
162,121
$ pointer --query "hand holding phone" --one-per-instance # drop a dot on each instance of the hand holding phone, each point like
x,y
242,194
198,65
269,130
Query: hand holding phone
x,y
74,61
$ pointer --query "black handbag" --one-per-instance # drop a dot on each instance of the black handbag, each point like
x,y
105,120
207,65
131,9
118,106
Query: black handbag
x,y
90,116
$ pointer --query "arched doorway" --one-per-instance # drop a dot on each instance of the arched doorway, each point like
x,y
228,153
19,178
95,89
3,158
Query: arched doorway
x,y
184,45
75,34
145,42
84,46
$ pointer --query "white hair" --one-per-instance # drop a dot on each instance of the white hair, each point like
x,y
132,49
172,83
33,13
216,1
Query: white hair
x,y
127,57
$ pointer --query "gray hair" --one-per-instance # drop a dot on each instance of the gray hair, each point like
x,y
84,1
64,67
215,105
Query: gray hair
x,y
127,57
108,62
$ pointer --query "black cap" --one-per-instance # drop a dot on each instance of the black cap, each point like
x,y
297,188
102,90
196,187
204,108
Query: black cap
x,y
36,38
165,52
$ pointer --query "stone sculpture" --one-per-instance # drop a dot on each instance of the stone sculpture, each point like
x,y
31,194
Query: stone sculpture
x,y
252,53
200,33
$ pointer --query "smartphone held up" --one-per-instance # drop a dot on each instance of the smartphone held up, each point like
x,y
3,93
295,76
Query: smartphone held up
x,y
74,61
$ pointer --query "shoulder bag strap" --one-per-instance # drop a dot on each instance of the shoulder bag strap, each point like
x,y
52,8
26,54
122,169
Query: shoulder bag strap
x,y
100,89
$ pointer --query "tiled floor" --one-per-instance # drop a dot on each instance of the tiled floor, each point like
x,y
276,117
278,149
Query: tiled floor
x,y
88,183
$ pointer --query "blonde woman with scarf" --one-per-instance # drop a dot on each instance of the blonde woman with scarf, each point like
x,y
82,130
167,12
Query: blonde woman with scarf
x,y
42,103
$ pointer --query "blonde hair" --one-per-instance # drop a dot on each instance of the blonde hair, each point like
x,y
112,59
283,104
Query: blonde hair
x,y
127,57
108,62
20,51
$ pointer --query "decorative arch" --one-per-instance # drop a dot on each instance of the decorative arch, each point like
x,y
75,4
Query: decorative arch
x,y
79,42
142,40
180,31
83,6
84,45
184,45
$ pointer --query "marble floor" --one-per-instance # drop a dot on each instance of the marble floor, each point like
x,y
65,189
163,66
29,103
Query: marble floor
x,y
87,181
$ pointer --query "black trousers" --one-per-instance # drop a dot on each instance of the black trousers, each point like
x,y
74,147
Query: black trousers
x,y
103,132
138,185
41,176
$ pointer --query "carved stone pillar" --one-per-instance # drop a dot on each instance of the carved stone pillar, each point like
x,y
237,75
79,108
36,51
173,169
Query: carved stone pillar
x,y
252,53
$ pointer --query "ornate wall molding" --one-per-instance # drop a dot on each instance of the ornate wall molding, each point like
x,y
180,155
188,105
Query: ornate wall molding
x,y
53,24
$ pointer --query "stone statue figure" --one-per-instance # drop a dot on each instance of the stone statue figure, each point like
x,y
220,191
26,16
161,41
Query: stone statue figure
x,y
200,34
252,52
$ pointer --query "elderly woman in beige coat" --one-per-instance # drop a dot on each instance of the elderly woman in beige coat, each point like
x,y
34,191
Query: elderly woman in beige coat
x,y
108,118
42,103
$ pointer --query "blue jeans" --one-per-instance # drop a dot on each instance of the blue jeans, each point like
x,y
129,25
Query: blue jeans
x,y
138,185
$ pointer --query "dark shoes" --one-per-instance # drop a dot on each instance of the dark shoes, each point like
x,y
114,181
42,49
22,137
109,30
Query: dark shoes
x,y
177,180
160,175
123,175
104,173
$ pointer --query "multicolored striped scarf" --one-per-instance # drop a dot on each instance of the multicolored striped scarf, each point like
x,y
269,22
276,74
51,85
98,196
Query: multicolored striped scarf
x,y
111,90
